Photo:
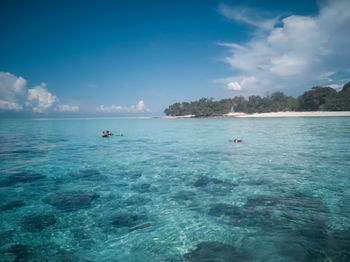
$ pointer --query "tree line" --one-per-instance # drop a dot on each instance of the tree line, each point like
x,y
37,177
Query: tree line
x,y
316,99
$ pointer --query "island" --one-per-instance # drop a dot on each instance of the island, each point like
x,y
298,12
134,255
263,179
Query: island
x,y
319,101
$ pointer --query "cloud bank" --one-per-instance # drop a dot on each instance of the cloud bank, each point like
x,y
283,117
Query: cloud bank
x,y
139,108
295,53
67,108
16,96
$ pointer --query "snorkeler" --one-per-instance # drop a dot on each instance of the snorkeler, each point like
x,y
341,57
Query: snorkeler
x,y
110,134
107,134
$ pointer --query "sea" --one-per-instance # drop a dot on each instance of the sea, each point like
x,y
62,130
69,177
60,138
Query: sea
x,y
175,189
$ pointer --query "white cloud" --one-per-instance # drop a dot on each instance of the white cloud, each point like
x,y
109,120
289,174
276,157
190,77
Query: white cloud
x,y
13,91
248,16
139,108
16,96
336,86
287,65
109,109
67,108
7,105
244,83
233,86
301,52
39,99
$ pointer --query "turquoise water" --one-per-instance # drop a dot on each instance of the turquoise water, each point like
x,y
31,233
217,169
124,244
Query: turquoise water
x,y
175,190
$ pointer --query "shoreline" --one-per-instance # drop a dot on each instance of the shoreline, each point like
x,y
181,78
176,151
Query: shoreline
x,y
272,114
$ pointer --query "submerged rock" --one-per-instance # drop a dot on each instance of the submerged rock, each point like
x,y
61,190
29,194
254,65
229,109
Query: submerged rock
x,y
25,177
20,177
202,181
119,184
184,195
88,174
223,209
80,234
143,188
315,230
261,200
260,217
126,219
215,252
263,211
145,225
23,151
70,200
257,181
205,181
136,200
313,234
6,183
302,201
20,251
243,216
50,251
339,244
36,223
12,205
174,260
132,174
7,236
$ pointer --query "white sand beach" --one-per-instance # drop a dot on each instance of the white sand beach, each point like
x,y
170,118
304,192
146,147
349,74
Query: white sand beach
x,y
272,114
296,114
175,117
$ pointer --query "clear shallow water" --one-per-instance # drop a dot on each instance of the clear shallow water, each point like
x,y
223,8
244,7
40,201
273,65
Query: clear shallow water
x,y
175,190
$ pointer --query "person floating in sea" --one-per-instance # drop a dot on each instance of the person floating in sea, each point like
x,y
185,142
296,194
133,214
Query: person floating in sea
x,y
110,134
107,134
237,140
104,134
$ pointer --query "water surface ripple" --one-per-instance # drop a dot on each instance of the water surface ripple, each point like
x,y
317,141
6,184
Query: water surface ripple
x,y
175,190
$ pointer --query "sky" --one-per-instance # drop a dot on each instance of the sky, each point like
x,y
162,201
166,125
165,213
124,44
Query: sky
x,y
111,58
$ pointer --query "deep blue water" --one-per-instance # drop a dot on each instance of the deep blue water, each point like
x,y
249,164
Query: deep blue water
x,y
175,190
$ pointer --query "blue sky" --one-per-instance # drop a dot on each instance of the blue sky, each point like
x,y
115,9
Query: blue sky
x,y
137,57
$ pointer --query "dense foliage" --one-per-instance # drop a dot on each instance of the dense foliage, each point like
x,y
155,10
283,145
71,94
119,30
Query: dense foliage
x,y
317,99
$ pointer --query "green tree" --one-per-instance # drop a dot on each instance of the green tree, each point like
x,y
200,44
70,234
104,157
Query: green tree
x,y
343,98
239,103
319,98
316,98
281,102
